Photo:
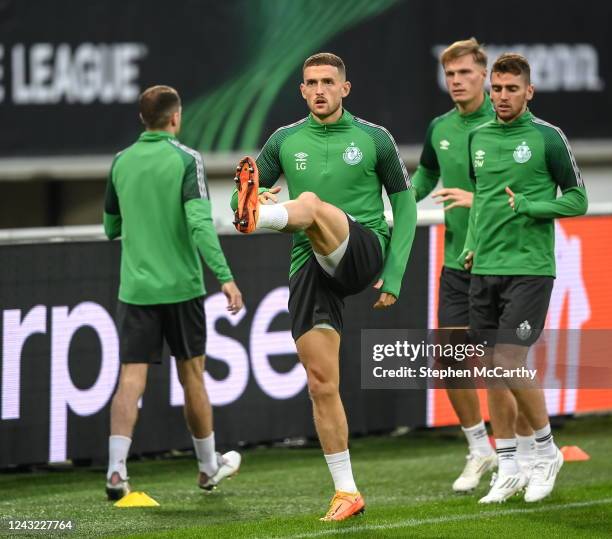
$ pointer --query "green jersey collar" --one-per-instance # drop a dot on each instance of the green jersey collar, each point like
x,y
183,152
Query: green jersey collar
x,y
154,136
343,122
523,119
483,111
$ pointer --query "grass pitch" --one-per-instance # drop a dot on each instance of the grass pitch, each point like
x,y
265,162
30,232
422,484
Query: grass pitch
x,y
406,482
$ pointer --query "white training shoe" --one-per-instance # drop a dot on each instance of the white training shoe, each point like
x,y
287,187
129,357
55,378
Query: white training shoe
x,y
526,465
229,464
504,486
475,467
117,487
543,477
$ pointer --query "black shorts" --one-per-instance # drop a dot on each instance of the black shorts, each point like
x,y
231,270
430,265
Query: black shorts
x,y
143,328
454,296
316,298
509,309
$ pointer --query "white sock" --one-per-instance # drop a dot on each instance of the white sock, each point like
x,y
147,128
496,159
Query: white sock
x,y
339,465
478,440
273,216
545,444
506,456
525,447
205,452
118,449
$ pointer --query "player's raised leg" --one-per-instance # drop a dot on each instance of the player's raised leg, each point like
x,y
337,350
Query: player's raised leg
x,y
325,225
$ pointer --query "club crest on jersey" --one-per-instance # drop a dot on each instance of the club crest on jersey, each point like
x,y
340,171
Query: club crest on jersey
x,y
479,156
352,155
522,154
300,160
444,144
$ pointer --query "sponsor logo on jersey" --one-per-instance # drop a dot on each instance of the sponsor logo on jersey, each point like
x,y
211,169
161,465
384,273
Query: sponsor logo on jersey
x,y
479,156
352,155
523,332
522,154
444,144
301,160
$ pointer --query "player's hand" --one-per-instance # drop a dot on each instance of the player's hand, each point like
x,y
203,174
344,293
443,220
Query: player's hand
x,y
269,197
511,199
469,260
385,300
458,198
234,297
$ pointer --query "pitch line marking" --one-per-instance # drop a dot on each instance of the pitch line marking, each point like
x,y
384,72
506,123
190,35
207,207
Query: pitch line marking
x,y
411,523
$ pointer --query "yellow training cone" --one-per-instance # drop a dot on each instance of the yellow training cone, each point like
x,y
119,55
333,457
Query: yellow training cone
x,y
136,499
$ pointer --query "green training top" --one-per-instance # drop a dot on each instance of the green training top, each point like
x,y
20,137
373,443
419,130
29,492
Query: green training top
x,y
532,158
345,163
157,201
445,156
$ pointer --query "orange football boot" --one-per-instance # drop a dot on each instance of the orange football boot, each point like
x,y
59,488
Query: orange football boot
x,y
344,505
247,183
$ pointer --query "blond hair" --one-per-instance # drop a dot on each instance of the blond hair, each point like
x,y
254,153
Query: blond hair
x,y
463,48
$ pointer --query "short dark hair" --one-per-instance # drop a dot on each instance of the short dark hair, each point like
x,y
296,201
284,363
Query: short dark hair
x,y
463,48
325,59
157,104
514,63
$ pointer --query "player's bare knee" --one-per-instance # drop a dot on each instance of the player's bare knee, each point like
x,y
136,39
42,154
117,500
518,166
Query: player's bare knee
x,y
310,201
128,392
191,379
190,371
319,388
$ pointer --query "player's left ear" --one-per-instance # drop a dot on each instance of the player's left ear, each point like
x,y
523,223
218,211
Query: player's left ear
x,y
530,92
346,88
